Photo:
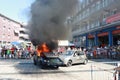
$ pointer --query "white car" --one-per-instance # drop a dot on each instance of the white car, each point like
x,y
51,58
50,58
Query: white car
x,y
73,57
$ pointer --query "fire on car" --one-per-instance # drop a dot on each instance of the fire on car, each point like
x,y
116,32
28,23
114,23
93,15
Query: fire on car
x,y
44,57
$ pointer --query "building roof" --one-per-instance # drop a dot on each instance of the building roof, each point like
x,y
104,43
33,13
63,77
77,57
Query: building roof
x,y
10,19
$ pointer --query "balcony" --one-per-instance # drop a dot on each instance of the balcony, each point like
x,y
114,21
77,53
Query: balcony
x,y
24,36
23,29
16,31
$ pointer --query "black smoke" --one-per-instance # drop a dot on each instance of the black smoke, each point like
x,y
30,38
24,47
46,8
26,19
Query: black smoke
x,y
48,19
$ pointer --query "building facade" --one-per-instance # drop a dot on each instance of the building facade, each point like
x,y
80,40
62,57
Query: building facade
x,y
97,22
11,31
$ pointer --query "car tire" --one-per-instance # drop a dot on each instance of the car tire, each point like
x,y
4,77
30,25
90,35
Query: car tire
x,y
34,60
86,61
41,66
56,67
69,63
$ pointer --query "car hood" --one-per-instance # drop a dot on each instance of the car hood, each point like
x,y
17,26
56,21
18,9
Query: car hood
x,y
50,55
62,57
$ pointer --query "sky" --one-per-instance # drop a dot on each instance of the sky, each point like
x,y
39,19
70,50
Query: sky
x,y
17,10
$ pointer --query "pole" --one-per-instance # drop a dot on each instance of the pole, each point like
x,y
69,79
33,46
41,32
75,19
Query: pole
x,y
91,72
118,73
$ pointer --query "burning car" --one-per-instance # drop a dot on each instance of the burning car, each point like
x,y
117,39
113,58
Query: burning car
x,y
44,57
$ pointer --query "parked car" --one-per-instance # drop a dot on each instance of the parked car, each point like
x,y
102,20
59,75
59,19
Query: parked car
x,y
73,57
47,61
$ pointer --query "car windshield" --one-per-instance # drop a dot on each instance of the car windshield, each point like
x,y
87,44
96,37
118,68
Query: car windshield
x,y
68,53
81,52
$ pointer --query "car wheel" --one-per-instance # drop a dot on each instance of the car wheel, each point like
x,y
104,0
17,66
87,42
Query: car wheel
x,y
56,67
41,66
35,60
85,62
69,63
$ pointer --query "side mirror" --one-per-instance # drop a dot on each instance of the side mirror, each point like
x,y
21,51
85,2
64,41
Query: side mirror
x,y
74,55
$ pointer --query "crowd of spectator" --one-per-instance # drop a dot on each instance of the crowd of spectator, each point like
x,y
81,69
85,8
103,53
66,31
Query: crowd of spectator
x,y
98,52
14,52
112,52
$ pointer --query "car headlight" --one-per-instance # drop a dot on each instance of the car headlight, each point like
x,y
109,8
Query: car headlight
x,y
66,60
46,60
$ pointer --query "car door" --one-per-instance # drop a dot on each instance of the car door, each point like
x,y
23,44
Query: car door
x,y
76,57
81,56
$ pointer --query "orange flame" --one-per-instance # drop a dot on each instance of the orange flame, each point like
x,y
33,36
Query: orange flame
x,y
42,48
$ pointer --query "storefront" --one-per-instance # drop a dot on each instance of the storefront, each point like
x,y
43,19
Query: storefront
x,y
116,35
91,41
104,37
80,41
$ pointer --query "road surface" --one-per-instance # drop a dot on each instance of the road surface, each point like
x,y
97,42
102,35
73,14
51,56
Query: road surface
x,y
24,69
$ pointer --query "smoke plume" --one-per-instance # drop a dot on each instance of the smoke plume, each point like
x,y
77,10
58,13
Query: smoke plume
x,y
48,19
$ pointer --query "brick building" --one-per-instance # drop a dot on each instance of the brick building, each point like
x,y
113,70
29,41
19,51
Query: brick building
x,y
9,30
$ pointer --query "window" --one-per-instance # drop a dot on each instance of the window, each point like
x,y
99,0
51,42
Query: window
x,y
3,36
92,8
8,29
98,5
87,2
83,5
9,21
8,36
106,2
79,7
103,2
91,1
79,16
16,34
114,11
4,19
87,12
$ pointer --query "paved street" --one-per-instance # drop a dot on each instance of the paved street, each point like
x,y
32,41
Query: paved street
x,y
23,69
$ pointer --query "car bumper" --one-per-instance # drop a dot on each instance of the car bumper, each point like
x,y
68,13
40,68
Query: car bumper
x,y
51,64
